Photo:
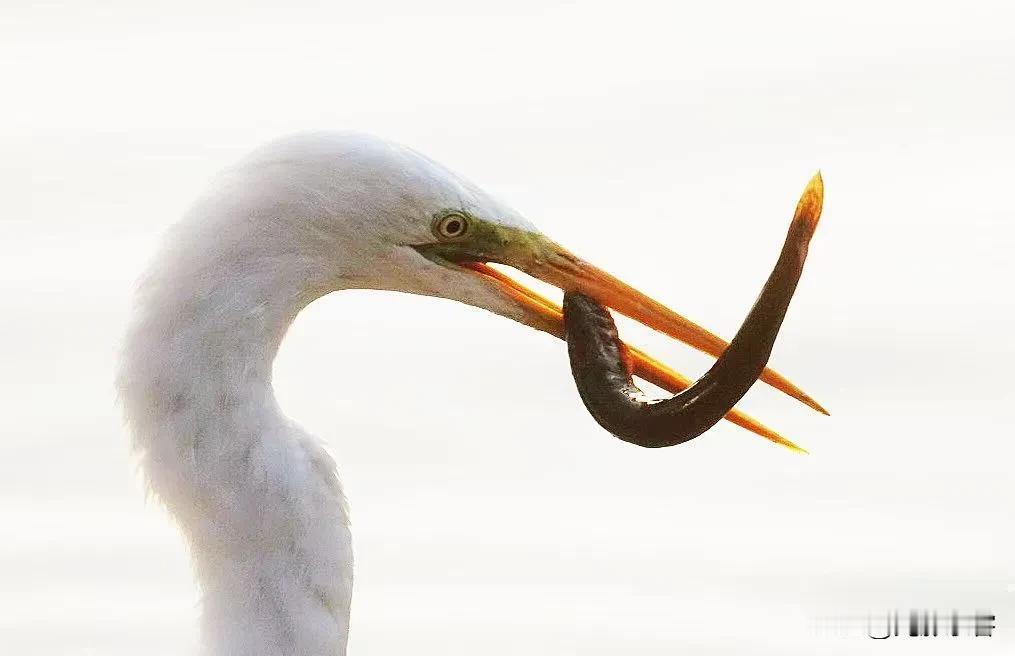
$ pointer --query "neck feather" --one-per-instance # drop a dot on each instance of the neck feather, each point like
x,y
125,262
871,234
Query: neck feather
x,y
256,497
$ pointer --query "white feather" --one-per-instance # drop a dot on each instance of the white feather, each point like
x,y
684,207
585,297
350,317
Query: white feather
x,y
258,498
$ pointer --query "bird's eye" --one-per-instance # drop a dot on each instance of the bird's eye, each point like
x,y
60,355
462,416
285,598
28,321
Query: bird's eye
x,y
451,226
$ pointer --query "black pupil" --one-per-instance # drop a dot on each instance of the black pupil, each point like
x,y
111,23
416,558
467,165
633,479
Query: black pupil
x,y
453,227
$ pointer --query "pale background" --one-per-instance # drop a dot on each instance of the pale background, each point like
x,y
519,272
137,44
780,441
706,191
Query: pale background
x,y
491,515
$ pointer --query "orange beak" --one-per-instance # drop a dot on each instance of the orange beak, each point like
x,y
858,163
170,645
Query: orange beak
x,y
557,266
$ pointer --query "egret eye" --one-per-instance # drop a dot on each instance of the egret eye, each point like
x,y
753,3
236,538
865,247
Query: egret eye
x,y
451,226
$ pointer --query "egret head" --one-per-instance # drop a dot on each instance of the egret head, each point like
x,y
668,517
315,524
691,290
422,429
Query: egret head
x,y
387,217
351,210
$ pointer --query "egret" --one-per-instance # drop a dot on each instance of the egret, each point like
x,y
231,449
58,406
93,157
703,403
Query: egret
x,y
256,497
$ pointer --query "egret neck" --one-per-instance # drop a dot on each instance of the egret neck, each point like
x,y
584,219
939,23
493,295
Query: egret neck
x,y
257,497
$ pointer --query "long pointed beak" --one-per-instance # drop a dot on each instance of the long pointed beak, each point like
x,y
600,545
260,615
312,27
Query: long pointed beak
x,y
557,266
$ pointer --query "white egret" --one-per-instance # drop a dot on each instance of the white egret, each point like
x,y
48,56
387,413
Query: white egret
x,y
256,497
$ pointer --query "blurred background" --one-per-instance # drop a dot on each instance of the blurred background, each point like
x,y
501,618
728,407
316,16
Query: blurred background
x,y
657,140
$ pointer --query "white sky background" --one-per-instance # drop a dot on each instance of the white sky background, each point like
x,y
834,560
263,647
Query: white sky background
x,y
491,515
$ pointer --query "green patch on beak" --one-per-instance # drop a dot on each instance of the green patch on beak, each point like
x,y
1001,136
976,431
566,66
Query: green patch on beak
x,y
486,241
